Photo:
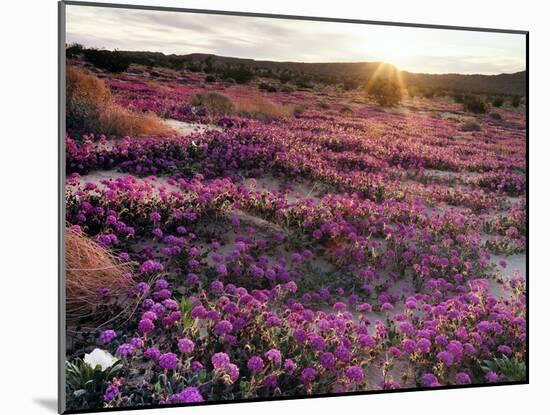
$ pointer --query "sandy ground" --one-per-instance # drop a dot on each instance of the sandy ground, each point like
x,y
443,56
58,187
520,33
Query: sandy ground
x,y
318,270
186,128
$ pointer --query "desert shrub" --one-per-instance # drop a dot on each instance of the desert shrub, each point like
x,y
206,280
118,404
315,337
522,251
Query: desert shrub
x,y
458,97
91,269
350,84
267,87
86,95
241,74
304,83
298,110
214,103
495,116
516,100
497,102
323,105
90,108
386,92
259,107
287,89
470,124
475,104
210,78
112,61
428,93
74,49
345,110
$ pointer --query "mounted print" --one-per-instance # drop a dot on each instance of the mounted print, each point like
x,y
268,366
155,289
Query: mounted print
x,y
262,207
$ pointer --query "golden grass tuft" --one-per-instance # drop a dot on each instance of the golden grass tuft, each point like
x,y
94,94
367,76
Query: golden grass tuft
x,y
91,108
258,106
89,268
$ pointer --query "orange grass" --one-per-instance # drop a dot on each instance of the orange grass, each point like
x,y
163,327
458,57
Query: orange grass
x,y
91,108
89,268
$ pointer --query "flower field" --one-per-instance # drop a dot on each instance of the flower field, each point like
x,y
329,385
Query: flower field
x,y
306,242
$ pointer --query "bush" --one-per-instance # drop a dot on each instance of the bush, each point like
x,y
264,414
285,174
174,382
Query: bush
x,y
112,61
474,104
74,49
240,74
495,116
91,109
214,103
470,124
287,89
298,110
428,93
516,100
386,92
323,105
210,78
90,267
497,102
458,98
346,110
259,107
267,87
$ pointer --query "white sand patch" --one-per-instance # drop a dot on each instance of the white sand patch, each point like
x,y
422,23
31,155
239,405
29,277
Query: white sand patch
x,y
186,128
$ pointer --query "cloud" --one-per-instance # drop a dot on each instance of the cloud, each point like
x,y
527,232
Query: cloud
x,y
413,49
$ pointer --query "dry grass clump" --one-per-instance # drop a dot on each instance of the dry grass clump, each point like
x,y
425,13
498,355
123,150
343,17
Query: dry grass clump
x,y
470,124
259,107
121,121
214,103
253,106
90,271
91,108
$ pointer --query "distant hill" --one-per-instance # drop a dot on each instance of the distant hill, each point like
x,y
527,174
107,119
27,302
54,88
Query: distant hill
x,y
335,72
514,83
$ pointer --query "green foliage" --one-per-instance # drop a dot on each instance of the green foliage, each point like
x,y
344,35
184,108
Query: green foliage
x,y
186,306
112,61
474,104
516,100
85,385
497,102
267,87
495,116
510,370
241,74
74,49
386,92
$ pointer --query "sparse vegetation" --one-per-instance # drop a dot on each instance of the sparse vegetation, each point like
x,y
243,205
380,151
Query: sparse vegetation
x,y
90,108
112,61
386,92
470,124
497,102
214,103
473,103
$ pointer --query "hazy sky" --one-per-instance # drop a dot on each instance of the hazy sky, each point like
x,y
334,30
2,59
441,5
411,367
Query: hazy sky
x,y
410,49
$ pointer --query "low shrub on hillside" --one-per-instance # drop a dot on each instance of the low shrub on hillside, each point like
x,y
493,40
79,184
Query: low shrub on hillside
x,y
470,124
516,100
474,104
260,107
112,61
497,102
386,92
214,103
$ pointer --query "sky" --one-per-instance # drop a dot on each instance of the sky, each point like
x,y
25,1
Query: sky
x,y
410,49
